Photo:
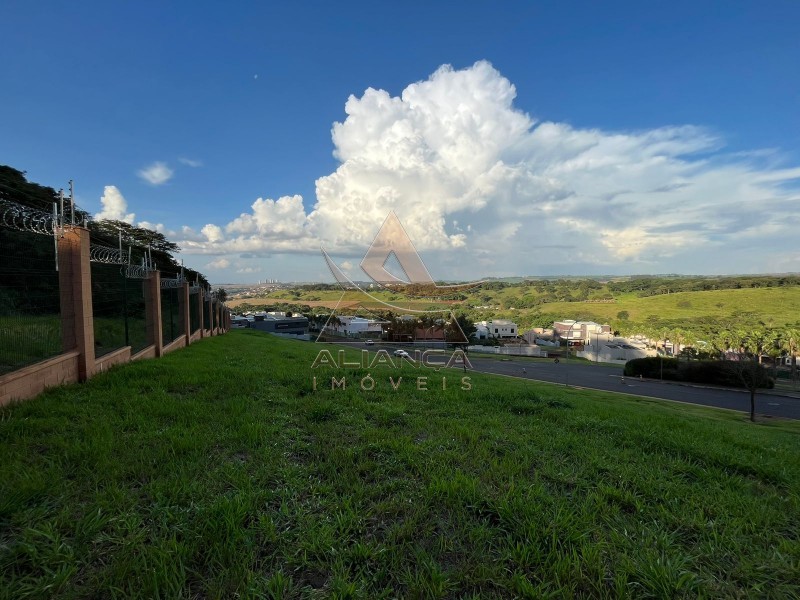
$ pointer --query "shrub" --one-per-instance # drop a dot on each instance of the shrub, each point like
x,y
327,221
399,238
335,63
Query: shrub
x,y
713,372
651,367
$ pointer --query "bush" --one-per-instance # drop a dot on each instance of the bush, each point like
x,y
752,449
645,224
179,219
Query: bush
x,y
713,372
651,367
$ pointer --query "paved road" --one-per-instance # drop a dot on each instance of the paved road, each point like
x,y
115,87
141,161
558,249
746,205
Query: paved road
x,y
609,378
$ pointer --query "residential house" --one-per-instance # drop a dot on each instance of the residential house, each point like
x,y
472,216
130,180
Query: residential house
x,y
499,328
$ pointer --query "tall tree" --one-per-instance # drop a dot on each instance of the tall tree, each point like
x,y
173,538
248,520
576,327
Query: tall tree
x,y
748,367
790,342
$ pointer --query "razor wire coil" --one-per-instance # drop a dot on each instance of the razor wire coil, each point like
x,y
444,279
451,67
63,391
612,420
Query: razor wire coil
x,y
136,272
107,255
172,283
24,218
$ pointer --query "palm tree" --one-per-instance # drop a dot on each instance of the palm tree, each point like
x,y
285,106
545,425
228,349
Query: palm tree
x,y
790,341
757,340
748,369
678,336
721,342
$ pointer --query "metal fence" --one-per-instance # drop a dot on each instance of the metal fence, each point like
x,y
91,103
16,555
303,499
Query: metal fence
x,y
34,241
119,309
170,315
194,310
30,321
208,316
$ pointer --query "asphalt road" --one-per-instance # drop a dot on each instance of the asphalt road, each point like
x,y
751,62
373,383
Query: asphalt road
x,y
609,378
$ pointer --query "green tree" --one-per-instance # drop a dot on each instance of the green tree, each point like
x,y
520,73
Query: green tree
x,y
790,342
467,326
748,368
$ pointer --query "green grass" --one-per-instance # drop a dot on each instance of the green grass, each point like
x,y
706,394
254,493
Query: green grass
x,y
217,472
27,339
777,305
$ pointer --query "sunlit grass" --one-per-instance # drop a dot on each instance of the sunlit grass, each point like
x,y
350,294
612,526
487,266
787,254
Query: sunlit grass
x,y
218,471
775,305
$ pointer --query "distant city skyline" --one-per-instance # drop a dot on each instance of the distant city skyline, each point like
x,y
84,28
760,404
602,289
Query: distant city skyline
x,y
533,140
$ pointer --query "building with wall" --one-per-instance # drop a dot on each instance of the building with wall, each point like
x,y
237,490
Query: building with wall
x,y
580,333
500,328
280,324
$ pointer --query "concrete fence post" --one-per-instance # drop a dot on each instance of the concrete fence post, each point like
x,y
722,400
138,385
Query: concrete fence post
x,y
201,310
184,314
152,305
75,286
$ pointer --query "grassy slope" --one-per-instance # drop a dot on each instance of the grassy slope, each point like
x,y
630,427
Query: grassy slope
x,y
778,305
330,299
217,470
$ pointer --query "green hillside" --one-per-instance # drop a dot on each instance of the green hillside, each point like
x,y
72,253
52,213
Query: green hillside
x,y
631,306
779,306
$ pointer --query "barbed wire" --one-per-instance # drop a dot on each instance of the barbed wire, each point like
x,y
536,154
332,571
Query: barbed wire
x,y
24,218
35,220
107,255
136,272
173,283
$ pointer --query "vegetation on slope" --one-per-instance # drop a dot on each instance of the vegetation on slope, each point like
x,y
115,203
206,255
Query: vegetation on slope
x,y
218,471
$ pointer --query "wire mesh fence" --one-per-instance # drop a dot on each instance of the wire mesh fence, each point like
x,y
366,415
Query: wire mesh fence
x,y
194,312
119,310
30,321
209,314
170,314
34,225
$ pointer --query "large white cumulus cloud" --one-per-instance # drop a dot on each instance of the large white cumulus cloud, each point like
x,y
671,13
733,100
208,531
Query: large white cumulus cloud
x,y
115,206
482,186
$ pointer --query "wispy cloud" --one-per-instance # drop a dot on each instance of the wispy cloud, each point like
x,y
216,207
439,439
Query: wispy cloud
x,y
190,162
156,174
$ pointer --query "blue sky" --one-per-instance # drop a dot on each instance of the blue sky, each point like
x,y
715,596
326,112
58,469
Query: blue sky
x,y
621,137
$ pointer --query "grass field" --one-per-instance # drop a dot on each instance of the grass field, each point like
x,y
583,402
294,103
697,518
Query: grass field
x,y
342,300
218,472
776,305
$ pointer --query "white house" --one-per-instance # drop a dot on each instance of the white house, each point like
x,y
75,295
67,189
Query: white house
x,y
359,325
579,333
500,328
